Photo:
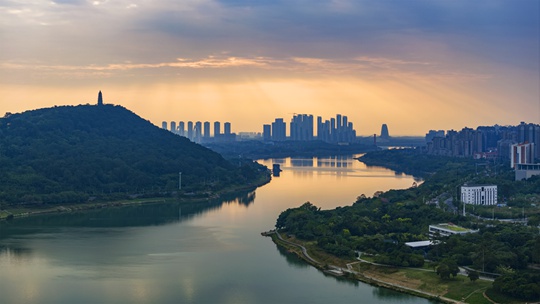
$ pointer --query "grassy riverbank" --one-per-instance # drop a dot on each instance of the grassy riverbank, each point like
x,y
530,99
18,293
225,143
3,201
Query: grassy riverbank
x,y
192,198
422,282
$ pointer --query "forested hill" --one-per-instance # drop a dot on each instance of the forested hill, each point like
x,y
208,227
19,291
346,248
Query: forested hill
x,y
75,153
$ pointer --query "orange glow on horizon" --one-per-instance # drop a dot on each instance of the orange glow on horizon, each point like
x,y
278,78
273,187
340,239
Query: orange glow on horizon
x,y
410,106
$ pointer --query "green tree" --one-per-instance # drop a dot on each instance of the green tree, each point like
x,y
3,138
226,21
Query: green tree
x,y
443,271
446,268
473,276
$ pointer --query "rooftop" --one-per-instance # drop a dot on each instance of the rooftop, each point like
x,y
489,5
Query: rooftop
x,y
419,244
452,227
479,185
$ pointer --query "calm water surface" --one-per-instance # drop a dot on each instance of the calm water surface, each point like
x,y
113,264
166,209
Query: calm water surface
x,y
205,253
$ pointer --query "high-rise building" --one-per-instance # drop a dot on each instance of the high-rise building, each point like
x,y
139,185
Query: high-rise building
x,y
181,128
521,154
173,126
338,129
530,133
351,132
319,128
323,130
190,130
217,129
227,128
384,132
279,130
267,132
206,133
198,132
164,125
434,133
301,127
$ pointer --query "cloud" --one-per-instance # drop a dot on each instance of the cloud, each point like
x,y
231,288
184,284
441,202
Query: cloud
x,y
210,62
364,67
495,30
464,41
71,2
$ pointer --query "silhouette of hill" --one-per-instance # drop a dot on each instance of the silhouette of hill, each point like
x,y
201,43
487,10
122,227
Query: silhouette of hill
x,y
76,153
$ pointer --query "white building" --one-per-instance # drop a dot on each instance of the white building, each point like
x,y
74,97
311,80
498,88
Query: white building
x,y
479,195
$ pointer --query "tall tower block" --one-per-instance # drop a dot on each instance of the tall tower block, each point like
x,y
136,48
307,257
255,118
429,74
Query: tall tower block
x,y
100,99
384,132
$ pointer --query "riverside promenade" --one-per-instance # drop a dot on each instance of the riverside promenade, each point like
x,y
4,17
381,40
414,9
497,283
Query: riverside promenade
x,y
336,270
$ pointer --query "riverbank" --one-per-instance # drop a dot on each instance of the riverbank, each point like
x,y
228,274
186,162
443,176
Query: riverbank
x,y
23,211
421,282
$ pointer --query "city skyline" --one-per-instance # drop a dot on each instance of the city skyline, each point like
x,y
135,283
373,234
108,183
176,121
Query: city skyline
x,y
415,65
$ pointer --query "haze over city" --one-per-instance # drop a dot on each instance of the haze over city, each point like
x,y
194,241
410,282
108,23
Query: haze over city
x,y
414,65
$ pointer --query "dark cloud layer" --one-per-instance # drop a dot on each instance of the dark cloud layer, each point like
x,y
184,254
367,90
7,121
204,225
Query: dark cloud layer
x,y
505,31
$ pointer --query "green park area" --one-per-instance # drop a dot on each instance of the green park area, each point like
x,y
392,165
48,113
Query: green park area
x,y
381,225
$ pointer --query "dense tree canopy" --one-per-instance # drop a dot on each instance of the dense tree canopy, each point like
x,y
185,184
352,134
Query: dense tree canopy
x,y
381,224
73,153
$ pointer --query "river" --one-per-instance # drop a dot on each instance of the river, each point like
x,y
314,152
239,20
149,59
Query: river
x,y
206,253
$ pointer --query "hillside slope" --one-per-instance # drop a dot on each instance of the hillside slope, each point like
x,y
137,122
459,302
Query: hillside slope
x,y
73,153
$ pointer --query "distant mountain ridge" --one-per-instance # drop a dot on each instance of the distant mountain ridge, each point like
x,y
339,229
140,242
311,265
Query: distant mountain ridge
x,y
73,153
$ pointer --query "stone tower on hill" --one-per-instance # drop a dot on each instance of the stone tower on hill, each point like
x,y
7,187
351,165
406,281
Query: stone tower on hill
x,y
100,99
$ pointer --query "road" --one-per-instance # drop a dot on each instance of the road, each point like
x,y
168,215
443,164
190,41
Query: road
x,y
369,279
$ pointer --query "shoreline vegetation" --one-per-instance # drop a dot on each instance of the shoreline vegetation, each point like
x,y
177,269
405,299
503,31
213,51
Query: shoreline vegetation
x,y
417,282
24,211
452,271
84,157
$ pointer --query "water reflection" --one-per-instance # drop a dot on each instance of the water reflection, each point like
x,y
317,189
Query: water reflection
x,y
14,255
336,165
333,181
339,161
291,258
149,214
391,296
294,261
241,198
172,252
301,162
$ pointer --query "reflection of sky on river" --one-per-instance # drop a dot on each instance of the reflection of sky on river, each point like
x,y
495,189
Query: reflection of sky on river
x,y
138,264
333,181
201,253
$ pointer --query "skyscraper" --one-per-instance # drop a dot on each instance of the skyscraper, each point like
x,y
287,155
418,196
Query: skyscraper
x,y
173,126
301,127
217,128
267,132
164,125
529,133
181,128
198,132
190,130
384,132
227,128
521,154
206,133
319,128
279,130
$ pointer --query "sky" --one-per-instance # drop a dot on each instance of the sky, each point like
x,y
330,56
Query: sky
x,y
415,65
